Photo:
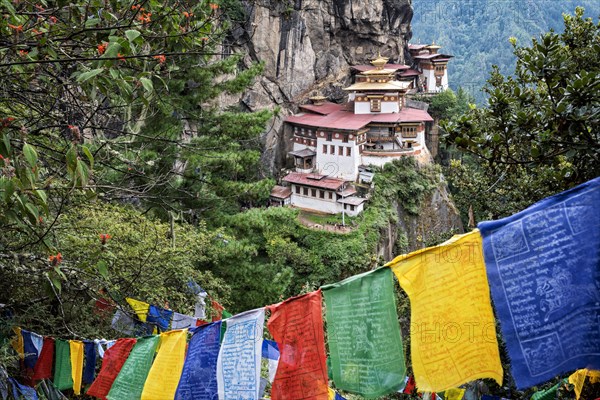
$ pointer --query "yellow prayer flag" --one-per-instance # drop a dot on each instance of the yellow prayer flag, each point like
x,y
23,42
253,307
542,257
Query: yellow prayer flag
x,y
164,375
577,379
17,342
331,394
76,349
140,308
453,333
454,394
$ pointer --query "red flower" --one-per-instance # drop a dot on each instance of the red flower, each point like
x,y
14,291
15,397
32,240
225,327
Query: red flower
x,y
104,237
161,58
40,8
214,6
23,53
41,219
55,260
53,19
188,14
121,57
17,28
101,48
135,7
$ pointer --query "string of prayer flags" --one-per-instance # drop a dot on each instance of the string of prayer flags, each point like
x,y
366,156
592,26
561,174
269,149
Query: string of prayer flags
x,y
270,352
454,394
130,382
579,379
123,323
76,353
238,365
62,365
297,326
543,268
165,372
89,371
43,366
139,307
363,333
114,358
159,316
102,345
453,333
199,376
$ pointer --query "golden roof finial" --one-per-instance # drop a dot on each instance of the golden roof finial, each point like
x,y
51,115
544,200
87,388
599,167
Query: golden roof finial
x,y
379,62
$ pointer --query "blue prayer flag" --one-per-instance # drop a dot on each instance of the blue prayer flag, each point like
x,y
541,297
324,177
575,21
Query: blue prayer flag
x,y
543,265
89,370
31,352
199,376
270,350
21,391
159,316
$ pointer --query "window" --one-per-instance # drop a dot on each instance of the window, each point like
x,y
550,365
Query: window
x,y
305,191
330,195
329,136
340,151
351,207
321,194
375,105
345,206
313,192
324,149
345,138
332,149
297,189
349,151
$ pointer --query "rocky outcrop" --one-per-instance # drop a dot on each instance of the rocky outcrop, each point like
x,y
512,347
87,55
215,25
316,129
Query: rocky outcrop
x,y
308,45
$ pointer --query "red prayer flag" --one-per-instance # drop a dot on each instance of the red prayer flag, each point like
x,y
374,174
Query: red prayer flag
x,y
113,361
410,386
43,366
297,326
218,311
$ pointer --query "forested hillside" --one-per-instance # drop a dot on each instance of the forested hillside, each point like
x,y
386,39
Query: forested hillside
x,y
477,32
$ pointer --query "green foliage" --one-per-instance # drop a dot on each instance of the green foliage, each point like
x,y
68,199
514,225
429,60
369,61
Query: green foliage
x,y
539,134
448,104
140,258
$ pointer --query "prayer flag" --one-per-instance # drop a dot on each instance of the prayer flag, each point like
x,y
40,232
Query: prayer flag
x,y
217,311
29,349
125,324
22,392
548,394
454,394
76,349
113,361
165,372
238,365
17,342
130,382
270,351
199,377
333,395
543,265
43,366
160,316
578,380
297,326
139,307
38,342
181,321
452,329
62,366
89,371
363,332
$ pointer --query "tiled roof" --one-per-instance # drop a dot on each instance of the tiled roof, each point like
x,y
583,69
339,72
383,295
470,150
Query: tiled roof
x,y
345,120
306,152
324,109
409,72
281,192
391,85
318,181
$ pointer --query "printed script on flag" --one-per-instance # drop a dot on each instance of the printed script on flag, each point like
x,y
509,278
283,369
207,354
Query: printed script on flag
x,y
543,265
453,334
363,333
297,326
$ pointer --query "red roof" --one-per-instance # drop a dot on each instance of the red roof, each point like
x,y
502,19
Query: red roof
x,y
430,56
281,192
318,181
345,120
323,109
365,67
416,46
410,72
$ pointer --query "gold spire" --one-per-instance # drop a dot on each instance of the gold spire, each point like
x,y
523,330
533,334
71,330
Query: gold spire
x,y
379,62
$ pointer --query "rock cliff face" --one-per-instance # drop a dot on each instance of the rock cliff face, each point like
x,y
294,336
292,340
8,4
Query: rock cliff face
x,y
308,45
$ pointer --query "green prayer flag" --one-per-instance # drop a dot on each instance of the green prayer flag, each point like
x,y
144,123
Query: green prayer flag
x,y
549,394
63,379
363,333
130,382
